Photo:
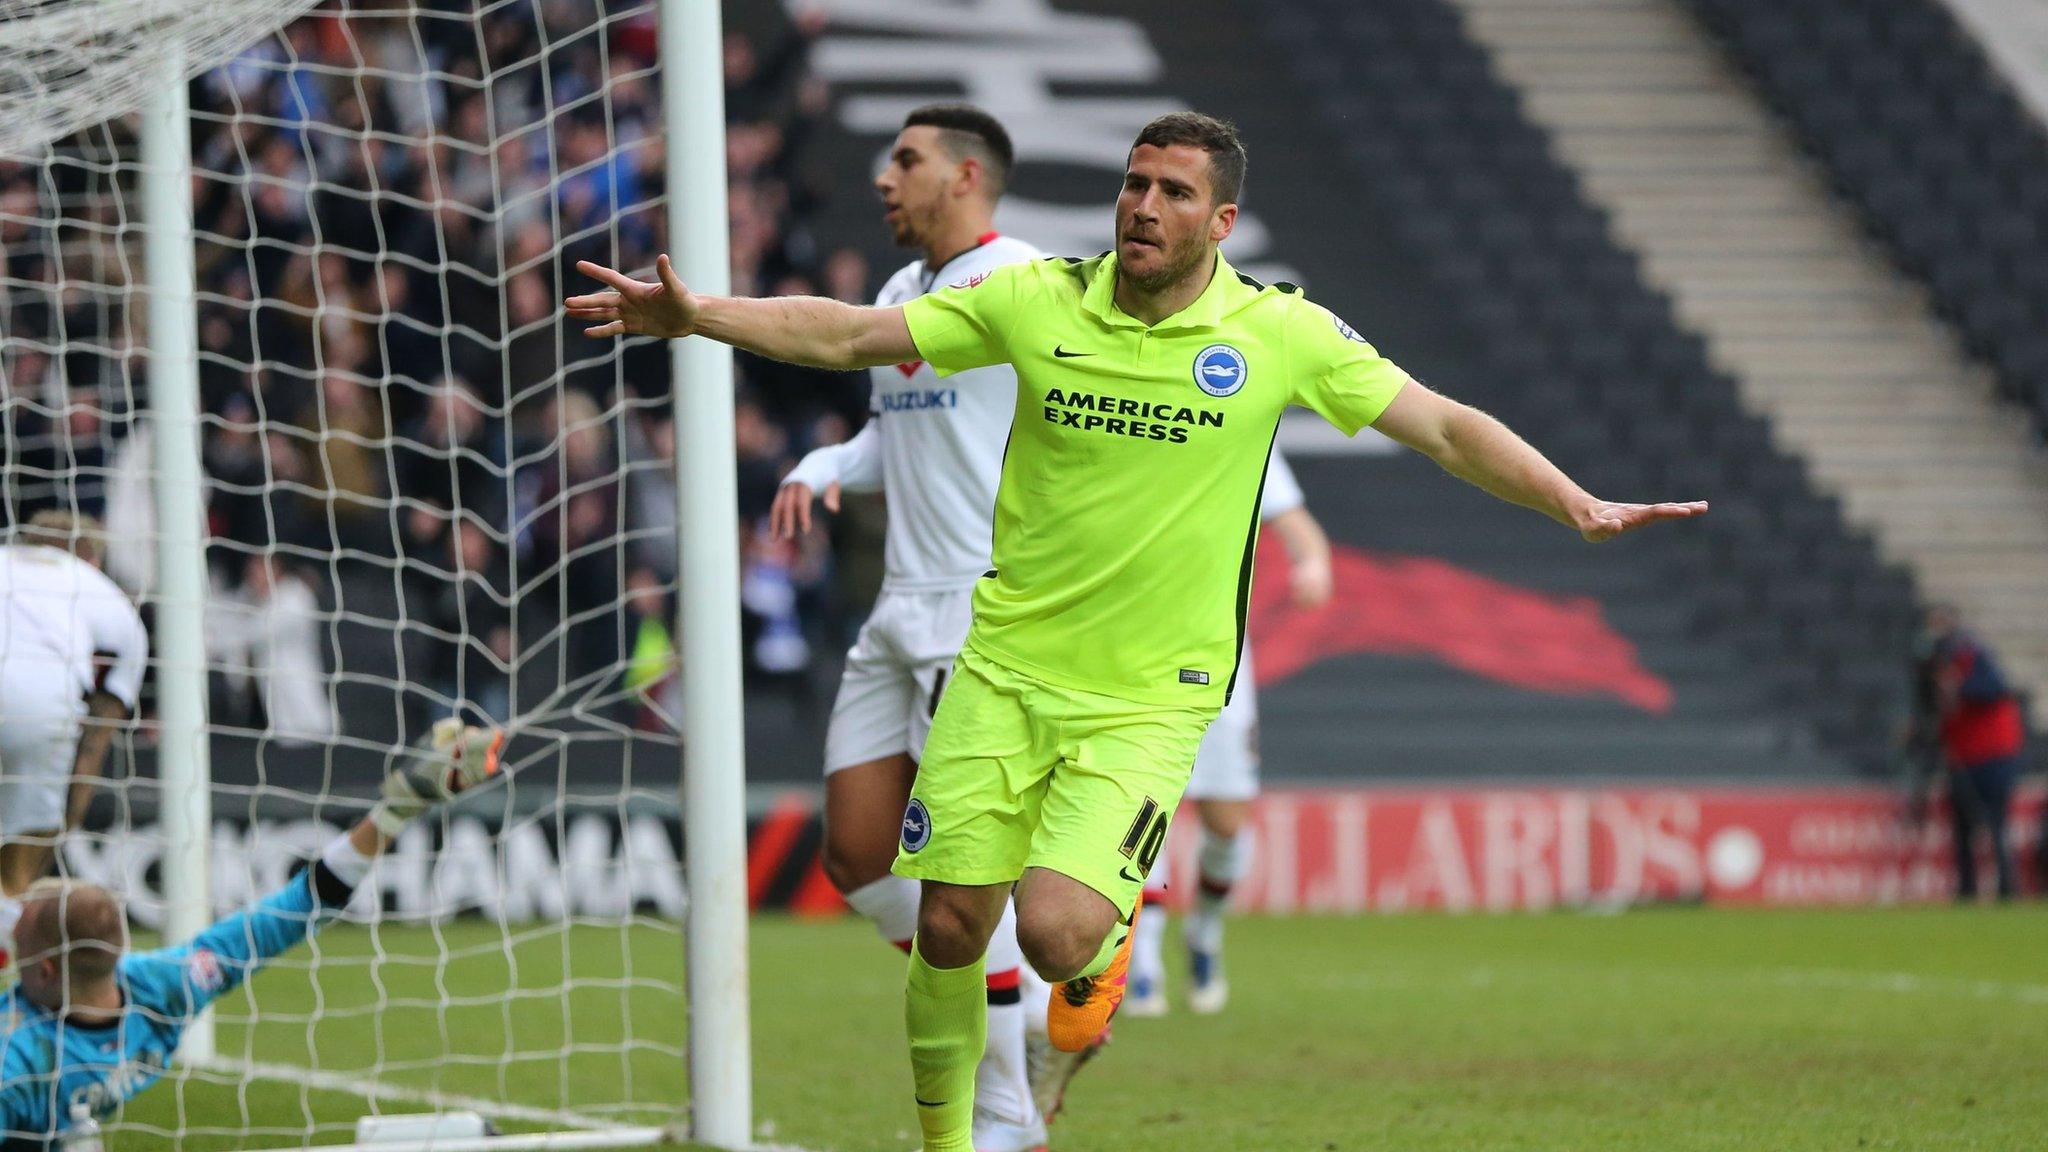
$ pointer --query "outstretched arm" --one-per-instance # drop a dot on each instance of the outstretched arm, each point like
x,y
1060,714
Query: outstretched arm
x,y
1481,450
796,329
182,980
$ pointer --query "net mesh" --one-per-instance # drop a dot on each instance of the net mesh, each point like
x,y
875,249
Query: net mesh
x,y
68,64
424,498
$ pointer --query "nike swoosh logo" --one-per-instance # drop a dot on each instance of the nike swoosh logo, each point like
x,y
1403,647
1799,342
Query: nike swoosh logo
x,y
924,1103
1063,354
1125,872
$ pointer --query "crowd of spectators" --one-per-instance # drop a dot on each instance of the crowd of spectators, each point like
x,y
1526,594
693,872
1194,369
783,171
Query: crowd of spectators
x,y
389,204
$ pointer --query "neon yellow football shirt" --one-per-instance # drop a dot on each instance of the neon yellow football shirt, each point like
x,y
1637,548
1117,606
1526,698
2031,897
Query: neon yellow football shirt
x,y
1128,508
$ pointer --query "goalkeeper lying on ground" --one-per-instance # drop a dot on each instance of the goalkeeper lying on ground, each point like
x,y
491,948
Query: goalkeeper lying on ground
x,y
91,1025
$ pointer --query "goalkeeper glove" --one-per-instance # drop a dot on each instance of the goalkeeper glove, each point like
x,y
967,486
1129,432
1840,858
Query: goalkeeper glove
x,y
457,757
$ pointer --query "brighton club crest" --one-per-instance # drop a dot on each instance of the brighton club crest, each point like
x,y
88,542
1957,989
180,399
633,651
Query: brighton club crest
x,y
917,826
1220,370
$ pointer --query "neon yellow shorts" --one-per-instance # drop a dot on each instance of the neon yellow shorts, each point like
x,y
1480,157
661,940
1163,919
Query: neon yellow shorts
x,y
1018,773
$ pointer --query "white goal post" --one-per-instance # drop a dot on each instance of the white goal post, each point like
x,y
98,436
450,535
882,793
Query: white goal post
x,y
267,376
184,765
714,779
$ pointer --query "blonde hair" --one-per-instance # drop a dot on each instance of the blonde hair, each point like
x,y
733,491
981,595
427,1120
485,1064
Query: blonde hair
x,y
78,533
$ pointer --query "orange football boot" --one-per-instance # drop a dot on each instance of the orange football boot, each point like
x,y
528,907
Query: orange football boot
x,y
1081,1007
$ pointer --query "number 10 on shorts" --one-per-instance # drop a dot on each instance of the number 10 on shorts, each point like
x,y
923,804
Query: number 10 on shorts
x,y
1146,837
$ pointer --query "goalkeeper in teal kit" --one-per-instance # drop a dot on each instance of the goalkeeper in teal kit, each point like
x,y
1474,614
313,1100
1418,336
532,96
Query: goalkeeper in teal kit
x,y
91,1025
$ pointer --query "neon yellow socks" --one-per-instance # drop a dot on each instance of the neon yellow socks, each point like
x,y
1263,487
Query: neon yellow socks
x,y
946,1013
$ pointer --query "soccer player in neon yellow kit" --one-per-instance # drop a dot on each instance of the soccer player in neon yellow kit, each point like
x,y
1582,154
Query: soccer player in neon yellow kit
x,y
1150,382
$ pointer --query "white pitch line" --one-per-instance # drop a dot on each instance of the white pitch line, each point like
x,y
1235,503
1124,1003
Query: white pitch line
x,y
524,1142
398,1094
1907,983
1828,979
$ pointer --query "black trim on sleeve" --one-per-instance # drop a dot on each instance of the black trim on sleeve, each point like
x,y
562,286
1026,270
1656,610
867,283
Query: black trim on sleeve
x,y
328,888
1280,286
1072,266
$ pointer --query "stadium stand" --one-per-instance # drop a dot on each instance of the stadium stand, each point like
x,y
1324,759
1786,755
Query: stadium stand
x,y
398,301
1778,629
1430,676
1578,350
1916,125
1949,169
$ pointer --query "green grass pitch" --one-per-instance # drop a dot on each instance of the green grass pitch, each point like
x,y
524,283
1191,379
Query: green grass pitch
x,y
1664,1030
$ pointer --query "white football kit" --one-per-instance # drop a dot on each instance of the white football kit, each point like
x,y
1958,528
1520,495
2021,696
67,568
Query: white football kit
x,y
57,614
1227,763
935,449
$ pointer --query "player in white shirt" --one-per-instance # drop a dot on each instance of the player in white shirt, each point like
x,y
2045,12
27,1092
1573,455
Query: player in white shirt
x,y
1225,781
935,449
59,616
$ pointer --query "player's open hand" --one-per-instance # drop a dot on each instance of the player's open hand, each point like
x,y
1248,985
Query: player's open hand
x,y
630,307
457,758
469,754
790,516
1604,521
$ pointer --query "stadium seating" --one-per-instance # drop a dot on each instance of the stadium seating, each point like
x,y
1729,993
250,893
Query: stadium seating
x,y
1581,354
1918,129
418,315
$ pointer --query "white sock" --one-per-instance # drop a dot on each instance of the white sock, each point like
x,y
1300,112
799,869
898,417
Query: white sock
x,y
348,864
1148,960
1037,997
1004,953
1222,861
890,904
1002,1082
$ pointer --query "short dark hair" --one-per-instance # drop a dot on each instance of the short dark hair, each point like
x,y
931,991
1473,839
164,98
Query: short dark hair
x,y
969,131
1216,137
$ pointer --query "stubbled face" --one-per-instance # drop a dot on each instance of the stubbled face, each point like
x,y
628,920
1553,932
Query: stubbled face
x,y
1165,221
918,186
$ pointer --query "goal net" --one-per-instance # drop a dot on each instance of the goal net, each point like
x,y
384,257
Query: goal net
x,y
423,497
